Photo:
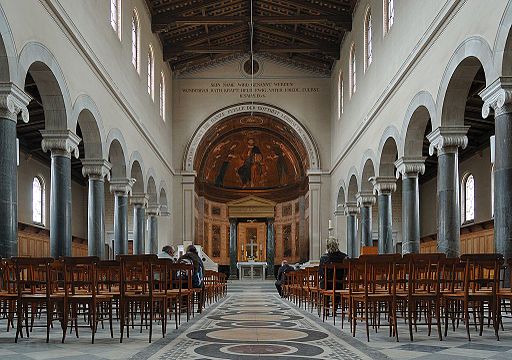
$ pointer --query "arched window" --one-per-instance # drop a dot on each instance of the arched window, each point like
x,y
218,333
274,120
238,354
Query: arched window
x,y
135,40
388,14
340,94
162,95
352,69
368,38
468,198
115,16
151,72
38,201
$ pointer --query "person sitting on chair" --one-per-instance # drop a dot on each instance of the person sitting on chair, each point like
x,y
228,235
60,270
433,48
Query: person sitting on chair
x,y
332,255
192,257
281,276
167,253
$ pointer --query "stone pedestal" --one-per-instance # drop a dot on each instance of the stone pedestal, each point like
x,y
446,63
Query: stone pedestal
x,y
61,143
152,212
385,186
95,171
410,168
498,96
446,141
365,201
139,202
353,246
121,188
12,102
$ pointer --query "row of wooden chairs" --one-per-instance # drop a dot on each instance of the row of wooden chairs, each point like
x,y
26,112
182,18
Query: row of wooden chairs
x,y
134,290
427,289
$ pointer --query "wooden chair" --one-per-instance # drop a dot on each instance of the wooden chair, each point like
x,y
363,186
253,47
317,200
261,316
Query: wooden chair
x,y
334,291
424,290
34,283
372,289
81,290
480,286
8,292
181,281
137,289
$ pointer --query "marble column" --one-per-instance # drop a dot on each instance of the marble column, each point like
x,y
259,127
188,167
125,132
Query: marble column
x,y
339,214
139,202
365,201
271,248
152,212
410,168
446,141
233,250
385,186
315,235
351,211
13,101
121,188
498,96
96,170
188,189
61,143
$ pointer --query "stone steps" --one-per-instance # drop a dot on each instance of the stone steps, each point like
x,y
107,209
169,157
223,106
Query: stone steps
x,y
237,286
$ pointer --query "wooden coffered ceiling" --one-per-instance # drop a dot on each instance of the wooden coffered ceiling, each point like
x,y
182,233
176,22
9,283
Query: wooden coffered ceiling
x,y
305,32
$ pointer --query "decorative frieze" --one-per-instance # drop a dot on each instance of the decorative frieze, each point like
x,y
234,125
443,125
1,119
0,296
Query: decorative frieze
x,y
13,101
410,166
96,169
60,142
497,96
383,184
447,139
123,186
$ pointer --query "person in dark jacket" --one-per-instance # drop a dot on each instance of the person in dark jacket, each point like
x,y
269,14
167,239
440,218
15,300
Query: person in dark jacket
x,y
192,256
281,276
333,255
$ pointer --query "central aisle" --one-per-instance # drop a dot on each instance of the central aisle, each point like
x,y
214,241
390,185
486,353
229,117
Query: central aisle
x,y
253,322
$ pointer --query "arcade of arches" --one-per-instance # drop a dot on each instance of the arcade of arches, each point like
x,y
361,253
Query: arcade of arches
x,y
255,129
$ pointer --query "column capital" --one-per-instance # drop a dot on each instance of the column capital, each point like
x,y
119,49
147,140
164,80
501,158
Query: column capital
x,y
123,186
60,142
447,139
96,169
410,166
383,185
365,198
188,177
350,208
164,210
139,199
497,96
13,101
153,210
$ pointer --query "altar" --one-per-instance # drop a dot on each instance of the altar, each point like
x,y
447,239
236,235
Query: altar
x,y
251,270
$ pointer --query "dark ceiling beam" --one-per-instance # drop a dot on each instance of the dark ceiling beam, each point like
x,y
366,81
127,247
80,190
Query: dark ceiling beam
x,y
166,19
296,36
212,35
229,49
306,5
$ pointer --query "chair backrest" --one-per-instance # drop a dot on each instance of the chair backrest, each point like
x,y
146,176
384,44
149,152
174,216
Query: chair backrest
x,y
380,272
8,280
482,272
80,274
108,275
181,276
137,274
425,272
334,275
33,275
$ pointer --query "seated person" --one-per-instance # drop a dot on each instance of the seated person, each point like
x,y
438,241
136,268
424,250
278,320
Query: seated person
x,y
332,255
281,276
192,257
167,253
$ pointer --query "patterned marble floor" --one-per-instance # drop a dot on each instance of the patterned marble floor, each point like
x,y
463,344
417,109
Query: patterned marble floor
x,y
253,322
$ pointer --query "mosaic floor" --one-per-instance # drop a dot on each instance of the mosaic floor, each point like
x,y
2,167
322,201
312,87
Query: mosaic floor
x,y
253,322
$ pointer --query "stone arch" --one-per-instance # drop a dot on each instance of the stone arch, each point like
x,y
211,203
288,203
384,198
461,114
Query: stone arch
x,y
136,166
502,51
472,54
340,198
8,60
421,109
388,153
87,115
46,72
117,154
151,189
367,167
163,202
353,187
300,130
